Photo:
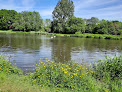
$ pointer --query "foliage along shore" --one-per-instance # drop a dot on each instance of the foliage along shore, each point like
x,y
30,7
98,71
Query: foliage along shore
x,y
77,34
104,76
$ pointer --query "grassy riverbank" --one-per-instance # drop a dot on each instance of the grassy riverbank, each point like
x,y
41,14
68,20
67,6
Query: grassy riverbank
x,y
104,76
13,80
10,31
85,35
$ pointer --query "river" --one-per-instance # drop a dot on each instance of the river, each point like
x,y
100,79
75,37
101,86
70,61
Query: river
x,y
27,49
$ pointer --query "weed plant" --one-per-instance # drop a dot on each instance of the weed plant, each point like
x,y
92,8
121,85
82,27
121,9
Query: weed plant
x,y
72,76
109,71
7,67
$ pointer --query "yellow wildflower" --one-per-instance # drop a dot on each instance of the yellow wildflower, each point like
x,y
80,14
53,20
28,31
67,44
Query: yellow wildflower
x,y
107,90
65,72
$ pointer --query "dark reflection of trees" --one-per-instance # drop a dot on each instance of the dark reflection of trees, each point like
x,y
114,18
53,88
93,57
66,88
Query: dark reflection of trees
x,y
102,44
62,47
21,41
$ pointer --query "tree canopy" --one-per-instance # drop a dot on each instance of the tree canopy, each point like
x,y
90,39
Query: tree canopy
x,y
64,21
28,21
74,25
7,17
24,21
63,11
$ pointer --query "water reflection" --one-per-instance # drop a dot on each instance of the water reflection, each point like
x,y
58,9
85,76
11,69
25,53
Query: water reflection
x,y
21,41
27,49
61,49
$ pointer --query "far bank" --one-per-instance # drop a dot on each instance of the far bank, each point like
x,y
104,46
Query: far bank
x,y
77,34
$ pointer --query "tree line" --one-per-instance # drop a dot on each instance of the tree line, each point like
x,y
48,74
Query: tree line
x,y
24,21
63,21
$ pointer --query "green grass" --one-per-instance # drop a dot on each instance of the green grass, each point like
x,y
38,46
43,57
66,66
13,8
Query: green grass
x,y
98,36
10,31
16,83
85,35
104,76
13,80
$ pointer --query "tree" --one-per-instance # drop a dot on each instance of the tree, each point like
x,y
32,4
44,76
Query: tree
x,y
90,27
47,25
47,22
28,21
92,20
63,11
7,17
75,24
19,23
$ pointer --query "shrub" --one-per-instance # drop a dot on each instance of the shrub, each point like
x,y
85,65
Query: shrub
x,y
72,76
78,32
110,68
7,67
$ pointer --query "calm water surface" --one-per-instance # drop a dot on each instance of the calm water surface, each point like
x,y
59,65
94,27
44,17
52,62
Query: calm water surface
x,y
27,49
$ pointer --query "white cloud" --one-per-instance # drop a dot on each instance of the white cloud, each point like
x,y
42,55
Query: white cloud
x,y
111,8
103,9
23,5
82,4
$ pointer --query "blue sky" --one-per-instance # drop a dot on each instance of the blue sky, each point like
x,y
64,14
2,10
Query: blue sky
x,y
102,9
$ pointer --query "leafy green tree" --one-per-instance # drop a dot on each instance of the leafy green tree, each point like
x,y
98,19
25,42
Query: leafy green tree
x,y
63,11
92,20
108,27
7,17
19,23
28,21
91,24
47,25
75,24
90,27
47,22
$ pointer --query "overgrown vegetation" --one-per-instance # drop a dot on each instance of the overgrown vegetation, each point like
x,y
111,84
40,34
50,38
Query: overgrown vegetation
x,y
109,71
7,67
104,76
72,76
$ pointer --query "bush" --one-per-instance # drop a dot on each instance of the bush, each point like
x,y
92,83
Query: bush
x,y
78,32
7,67
110,68
72,76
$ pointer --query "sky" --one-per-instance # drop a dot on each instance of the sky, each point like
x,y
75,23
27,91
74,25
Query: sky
x,y
102,9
